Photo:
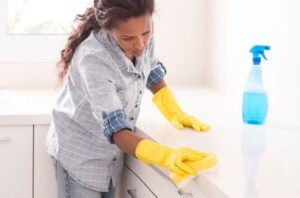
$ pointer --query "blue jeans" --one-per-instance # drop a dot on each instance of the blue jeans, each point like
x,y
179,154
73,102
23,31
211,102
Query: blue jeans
x,y
68,187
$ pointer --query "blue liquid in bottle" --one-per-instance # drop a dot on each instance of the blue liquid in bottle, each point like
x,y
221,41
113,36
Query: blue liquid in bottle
x,y
255,107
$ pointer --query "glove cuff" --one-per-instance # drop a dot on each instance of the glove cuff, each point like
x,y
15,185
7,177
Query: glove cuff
x,y
166,103
150,152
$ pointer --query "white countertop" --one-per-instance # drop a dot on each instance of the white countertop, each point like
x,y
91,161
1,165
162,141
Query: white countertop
x,y
23,107
253,162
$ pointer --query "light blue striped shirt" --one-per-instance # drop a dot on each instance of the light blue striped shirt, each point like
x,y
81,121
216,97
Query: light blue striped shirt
x,y
101,96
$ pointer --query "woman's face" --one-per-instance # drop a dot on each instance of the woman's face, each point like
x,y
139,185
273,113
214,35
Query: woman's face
x,y
133,35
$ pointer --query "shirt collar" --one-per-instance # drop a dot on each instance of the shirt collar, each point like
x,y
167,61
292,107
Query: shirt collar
x,y
117,54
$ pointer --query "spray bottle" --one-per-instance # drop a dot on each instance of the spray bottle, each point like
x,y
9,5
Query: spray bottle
x,y
255,99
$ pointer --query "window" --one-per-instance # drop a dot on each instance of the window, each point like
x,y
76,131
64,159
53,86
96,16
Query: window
x,y
36,30
42,17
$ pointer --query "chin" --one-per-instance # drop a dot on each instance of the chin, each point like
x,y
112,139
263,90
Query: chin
x,y
138,54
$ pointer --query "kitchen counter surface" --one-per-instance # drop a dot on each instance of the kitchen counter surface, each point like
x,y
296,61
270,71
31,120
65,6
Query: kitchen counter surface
x,y
253,161
23,107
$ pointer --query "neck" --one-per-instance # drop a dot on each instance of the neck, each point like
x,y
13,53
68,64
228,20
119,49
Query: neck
x,y
133,59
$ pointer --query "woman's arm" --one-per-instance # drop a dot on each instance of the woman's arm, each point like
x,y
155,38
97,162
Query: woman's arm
x,y
181,162
166,102
157,86
126,141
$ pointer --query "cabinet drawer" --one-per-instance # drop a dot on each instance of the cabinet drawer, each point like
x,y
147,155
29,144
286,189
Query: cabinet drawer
x,y
133,187
16,148
158,182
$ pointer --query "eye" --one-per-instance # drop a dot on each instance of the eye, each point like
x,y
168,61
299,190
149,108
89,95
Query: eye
x,y
146,33
127,39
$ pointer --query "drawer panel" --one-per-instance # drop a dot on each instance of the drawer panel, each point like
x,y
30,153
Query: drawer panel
x,y
16,153
155,178
133,187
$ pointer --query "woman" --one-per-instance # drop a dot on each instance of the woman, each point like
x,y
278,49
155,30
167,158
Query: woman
x,y
106,63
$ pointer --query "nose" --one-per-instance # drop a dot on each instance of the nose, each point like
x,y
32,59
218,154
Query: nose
x,y
139,44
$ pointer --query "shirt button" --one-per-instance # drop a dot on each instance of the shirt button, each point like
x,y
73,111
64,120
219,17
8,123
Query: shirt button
x,y
139,76
114,159
141,92
131,118
136,106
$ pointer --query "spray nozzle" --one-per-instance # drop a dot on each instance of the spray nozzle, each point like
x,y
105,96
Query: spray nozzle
x,y
258,50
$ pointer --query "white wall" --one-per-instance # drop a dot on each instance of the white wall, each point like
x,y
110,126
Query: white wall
x,y
30,75
181,32
237,25
181,39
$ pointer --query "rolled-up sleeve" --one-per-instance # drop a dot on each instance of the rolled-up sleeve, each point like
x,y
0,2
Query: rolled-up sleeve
x,y
158,70
156,75
98,84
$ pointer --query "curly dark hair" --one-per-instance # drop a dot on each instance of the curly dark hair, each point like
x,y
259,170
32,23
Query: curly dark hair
x,y
103,14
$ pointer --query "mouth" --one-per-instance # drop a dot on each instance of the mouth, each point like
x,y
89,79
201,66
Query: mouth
x,y
138,53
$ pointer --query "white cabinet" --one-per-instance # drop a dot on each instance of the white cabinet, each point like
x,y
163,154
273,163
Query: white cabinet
x,y
16,148
155,180
44,173
133,187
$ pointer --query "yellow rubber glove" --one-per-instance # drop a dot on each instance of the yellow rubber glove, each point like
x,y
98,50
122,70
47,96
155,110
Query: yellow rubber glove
x,y
177,161
166,103
209,161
